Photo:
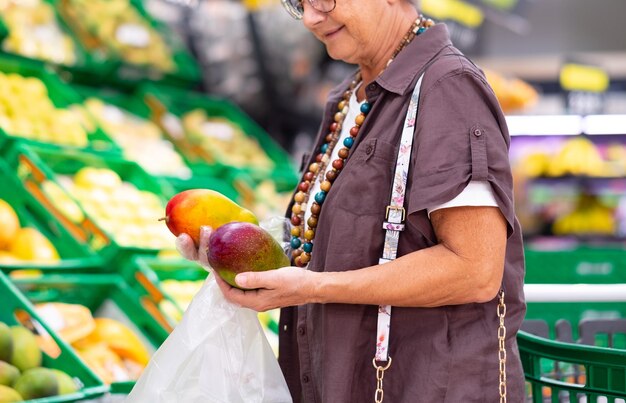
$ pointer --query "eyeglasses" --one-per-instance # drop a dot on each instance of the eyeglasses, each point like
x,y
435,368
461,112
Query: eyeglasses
x,y
295,8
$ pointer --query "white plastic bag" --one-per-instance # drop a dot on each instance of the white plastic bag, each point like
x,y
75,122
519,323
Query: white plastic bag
x,y
218,353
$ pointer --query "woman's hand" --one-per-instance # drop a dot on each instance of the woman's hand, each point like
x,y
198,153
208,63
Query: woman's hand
x,y
271,289
187,248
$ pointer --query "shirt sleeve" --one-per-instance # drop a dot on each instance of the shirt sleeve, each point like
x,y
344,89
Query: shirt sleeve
x,y
461,136
476,193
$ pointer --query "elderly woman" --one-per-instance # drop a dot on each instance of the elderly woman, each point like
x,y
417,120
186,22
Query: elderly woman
x,y
445,211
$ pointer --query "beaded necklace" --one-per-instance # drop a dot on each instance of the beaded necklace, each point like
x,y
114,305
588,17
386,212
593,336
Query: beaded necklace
x,y
302,237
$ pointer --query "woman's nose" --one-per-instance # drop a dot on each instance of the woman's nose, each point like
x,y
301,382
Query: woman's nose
x,y
311,16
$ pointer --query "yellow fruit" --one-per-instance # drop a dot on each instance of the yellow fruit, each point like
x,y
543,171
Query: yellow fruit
x,y
8,373
10,224
187,211
118,338
9,395
7,258
97,178
26,353
63,201
104,362
30,244
77,321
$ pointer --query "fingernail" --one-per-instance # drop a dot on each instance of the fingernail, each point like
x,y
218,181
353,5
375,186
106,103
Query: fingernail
x,y
241,279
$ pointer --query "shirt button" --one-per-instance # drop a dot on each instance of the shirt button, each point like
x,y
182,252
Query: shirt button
x,y
301,331
368,150
478,133
305,379
372,87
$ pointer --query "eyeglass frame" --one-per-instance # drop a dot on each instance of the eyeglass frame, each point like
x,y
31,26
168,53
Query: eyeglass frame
x,y
299,16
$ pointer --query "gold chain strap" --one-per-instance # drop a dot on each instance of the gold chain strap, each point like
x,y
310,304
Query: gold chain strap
x,y
502,347
380,374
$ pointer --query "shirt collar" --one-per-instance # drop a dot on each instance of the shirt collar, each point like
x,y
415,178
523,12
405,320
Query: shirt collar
x,y
398,77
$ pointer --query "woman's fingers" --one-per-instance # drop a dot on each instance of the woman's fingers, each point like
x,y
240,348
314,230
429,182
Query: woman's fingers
x,y
186,247
203,248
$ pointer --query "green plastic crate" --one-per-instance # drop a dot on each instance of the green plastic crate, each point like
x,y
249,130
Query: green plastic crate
x,y
125,74
61,95
586,265
14,302
168,105
85,63
74,255
105,296
587,373
146,274
36,164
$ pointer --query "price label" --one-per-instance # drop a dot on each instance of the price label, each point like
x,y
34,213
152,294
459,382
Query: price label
x,y
579,77
454,10
584,87
133,35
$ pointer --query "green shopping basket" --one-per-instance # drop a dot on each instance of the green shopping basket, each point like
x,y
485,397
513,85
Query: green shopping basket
x,y
580,373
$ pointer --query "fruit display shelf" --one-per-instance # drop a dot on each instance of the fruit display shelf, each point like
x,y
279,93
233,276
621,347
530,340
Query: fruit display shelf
x,y
36,108
168,283
107,202
571,185
223,137
17,310
111,300
126,120
34,30
73,255
123,32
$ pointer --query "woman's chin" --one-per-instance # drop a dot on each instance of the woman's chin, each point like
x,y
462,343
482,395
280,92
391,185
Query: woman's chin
x,y
337,53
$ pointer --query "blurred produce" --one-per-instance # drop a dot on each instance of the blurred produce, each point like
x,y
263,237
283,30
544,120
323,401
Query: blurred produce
x,y
63,201
182,292
577,156
22,244
9,395
27,111
128,214
34,32
512,93
116,28
107,346
21,374
10,224
268,201
140,139
590,217
225,141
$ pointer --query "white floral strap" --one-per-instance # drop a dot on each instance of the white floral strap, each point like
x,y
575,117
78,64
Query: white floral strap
x,y
395,216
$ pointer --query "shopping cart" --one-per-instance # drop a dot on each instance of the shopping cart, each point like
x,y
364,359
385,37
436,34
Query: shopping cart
x,y
586,359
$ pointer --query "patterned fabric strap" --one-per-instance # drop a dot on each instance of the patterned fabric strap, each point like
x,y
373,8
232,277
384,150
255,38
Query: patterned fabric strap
x,y
395,216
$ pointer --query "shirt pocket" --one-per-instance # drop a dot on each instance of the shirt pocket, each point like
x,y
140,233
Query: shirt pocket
x,y
366,182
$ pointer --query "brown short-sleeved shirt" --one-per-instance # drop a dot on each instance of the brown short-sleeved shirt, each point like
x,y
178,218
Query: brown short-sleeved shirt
x,y
444,354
